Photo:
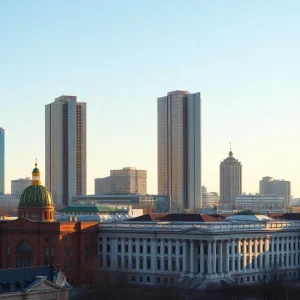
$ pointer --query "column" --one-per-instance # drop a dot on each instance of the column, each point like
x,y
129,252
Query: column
x,y
255,254
137,254
239,255
122,253
170,255
272,251
145,255
267,252
287,252
201,257
214,257
233,256
192,257
282,252
153,255
227,257
162,252
114,253
129,253
209,258
244,254
177,256
260,253
220,257
104,253
184,256
250,253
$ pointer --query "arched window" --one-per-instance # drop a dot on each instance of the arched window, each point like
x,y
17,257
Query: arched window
x,y
24,255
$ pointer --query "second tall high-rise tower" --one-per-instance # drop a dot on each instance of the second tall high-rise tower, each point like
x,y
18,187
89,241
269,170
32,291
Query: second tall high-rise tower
x,y
65,148
179,148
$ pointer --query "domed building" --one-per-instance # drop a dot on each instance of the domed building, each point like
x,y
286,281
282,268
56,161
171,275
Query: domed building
x,y
36,201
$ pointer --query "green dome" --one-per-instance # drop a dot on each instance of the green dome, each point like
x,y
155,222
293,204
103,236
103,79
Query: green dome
x,y
35,170
36,196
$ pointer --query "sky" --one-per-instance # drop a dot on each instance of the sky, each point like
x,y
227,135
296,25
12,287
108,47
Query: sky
x,y
120,56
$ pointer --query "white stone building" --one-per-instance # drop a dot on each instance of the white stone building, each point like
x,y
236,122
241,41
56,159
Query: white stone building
x,y
199,249
19,185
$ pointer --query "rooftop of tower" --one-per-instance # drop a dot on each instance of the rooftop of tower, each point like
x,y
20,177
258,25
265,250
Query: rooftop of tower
x,y
177,92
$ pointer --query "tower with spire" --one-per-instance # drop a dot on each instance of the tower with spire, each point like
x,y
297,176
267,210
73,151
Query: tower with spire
x,y
230,180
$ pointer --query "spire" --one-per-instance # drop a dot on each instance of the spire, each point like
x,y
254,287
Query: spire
x,y
230,152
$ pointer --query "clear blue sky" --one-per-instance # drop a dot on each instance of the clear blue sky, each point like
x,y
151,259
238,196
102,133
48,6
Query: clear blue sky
x,y
119,56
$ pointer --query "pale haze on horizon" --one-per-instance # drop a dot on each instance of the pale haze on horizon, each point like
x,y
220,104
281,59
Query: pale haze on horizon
x,y
120,56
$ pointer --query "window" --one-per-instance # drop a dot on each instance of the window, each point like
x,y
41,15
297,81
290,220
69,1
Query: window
x,y
65,265
141,278
52,252
108,261
133,278
108,248
24,255
158,249
148,263
166,264
173,250
46,251
119,248
148,249
8,263
148,279
126,248
65,252
8,250
158,264
166,250
133,248
141,249
71,264
141,263
157,279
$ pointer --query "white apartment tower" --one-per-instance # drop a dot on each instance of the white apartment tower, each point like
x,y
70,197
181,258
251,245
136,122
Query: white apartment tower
x,y
179,149
65,148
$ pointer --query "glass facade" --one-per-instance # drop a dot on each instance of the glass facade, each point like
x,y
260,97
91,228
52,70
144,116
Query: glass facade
x,y
2,161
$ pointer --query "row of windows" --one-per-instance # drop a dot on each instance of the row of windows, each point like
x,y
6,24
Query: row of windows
x,y
141,279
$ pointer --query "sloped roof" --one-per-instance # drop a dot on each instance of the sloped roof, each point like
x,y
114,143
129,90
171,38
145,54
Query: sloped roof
x,y
22,274
91,208
249,216
160,217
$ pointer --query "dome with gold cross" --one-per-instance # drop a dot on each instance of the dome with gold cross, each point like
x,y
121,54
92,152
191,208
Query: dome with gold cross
x,y
36,201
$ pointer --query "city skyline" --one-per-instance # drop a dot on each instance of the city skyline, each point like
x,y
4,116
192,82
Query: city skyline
x,y
243,70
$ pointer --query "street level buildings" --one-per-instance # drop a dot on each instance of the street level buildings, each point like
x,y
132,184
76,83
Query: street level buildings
x,y
2,161
266,203
19,185
196,250
65,148
271,186
230,181
179,148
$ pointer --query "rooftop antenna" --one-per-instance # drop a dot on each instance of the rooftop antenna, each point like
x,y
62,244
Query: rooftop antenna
x,y
230,145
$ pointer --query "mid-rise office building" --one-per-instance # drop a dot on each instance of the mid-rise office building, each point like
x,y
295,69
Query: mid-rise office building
x,y
128,180
65,148
260,203
2,161
210,200
102,185
179,148
19,185
269,185
230,181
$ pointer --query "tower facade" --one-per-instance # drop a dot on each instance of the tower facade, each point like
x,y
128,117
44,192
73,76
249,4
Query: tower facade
x,y
65,148
2,161
179,149
230,181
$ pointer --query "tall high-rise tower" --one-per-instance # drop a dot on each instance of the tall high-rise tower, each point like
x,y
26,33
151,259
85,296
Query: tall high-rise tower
x,y
230,181
65,148
179,148
2,161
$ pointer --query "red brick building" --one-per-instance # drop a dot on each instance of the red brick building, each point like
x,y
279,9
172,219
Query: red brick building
x,y
36,239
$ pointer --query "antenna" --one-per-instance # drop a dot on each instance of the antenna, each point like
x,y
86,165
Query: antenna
x,y
230,145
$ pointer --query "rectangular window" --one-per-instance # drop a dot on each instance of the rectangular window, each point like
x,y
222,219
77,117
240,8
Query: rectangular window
x,y
158,249
46,251
148,249
65,265
119,248
71,264
166,250
8,250
65,252
126,248
52,252
133,249
173,250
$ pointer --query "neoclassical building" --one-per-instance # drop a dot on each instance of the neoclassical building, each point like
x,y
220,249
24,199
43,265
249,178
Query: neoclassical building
x,y
196,250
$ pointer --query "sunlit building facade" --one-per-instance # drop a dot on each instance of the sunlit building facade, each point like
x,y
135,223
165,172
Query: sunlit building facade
x,y
65,148
2,161
179,148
